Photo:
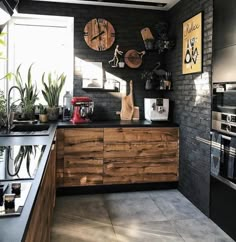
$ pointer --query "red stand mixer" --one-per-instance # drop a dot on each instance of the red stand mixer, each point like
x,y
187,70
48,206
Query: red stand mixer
x,y
83,109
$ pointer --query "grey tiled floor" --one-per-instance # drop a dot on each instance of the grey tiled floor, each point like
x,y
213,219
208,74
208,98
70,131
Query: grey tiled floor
x,y
150,216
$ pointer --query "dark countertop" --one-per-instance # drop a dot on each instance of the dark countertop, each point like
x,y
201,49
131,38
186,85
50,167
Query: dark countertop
x,y
117,123
13,229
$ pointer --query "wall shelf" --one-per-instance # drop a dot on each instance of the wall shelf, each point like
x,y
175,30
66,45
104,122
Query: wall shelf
x,y
100,90
162,90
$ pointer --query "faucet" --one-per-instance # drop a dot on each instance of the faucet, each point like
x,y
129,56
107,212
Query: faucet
x,y
10,115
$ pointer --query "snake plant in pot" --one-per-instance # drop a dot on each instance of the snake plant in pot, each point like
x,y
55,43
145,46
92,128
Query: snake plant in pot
x,y
51,93
28,94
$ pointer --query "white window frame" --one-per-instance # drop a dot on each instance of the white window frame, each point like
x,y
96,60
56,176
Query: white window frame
x,y
42,20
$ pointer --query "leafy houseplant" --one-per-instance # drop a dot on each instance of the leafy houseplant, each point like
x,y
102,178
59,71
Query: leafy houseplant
x,y
2,54
2,109
2,44
51,93
28,94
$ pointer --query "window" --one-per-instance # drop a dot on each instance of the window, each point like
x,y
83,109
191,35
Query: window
x,y
45,41
3,61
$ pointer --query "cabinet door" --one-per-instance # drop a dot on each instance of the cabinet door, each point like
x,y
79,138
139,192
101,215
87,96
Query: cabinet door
x,y
36,225
40,221
224,18
133,155
60,158
83,156
52,183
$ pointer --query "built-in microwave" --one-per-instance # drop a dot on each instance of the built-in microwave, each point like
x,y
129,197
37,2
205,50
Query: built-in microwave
x,y
224,107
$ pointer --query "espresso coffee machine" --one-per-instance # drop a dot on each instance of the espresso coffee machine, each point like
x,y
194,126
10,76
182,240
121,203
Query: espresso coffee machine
x,y
156,109
83,109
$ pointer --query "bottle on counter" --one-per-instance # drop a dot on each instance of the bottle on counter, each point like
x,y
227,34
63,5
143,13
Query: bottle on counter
x,y
67,106
161,84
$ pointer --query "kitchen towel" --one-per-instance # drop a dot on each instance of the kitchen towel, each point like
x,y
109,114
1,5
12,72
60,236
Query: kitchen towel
x,y
232,160
215,153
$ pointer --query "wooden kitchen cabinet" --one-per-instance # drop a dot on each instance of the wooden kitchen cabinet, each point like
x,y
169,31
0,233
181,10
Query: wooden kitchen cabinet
x,y
117,155
83,156
60,158
136,155
40,221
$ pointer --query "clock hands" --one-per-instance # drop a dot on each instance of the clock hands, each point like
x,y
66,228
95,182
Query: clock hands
x,y
99,34
97,24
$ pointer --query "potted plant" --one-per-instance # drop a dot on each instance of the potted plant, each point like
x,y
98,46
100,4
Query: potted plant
x,y
149,44
148,76
51,93
28,94
43,117
2,109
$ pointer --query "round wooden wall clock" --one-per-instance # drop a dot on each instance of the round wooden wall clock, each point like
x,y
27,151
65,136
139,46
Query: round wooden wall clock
x,y
99,34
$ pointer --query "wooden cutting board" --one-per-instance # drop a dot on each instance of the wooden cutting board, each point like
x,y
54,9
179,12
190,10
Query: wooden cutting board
x,y
127,105
133,58
147,34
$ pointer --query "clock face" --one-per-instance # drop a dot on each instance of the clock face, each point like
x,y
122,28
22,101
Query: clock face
x,y
99,34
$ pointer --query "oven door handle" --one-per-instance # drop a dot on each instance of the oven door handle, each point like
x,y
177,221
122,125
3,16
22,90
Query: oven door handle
x,y
225,181
225,137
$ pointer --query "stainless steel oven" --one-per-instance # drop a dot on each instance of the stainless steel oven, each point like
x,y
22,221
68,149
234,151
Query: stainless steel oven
x,y
224,108
223,179
223,156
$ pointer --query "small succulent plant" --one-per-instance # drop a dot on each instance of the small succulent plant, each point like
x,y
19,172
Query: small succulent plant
x,y
42,109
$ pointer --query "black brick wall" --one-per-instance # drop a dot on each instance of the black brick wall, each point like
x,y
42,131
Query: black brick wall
x,y
192,97
127,23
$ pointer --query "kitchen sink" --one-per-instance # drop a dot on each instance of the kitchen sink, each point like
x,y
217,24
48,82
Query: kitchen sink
x,y
29,127
28,130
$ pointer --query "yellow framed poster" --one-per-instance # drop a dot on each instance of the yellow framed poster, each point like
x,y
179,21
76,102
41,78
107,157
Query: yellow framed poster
x,y
192,45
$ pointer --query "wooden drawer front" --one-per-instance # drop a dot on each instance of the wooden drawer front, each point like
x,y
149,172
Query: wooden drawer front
x,y
136,155
142,169
60,157
161,177
83,142
140,134
82,171
123,170
153,149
